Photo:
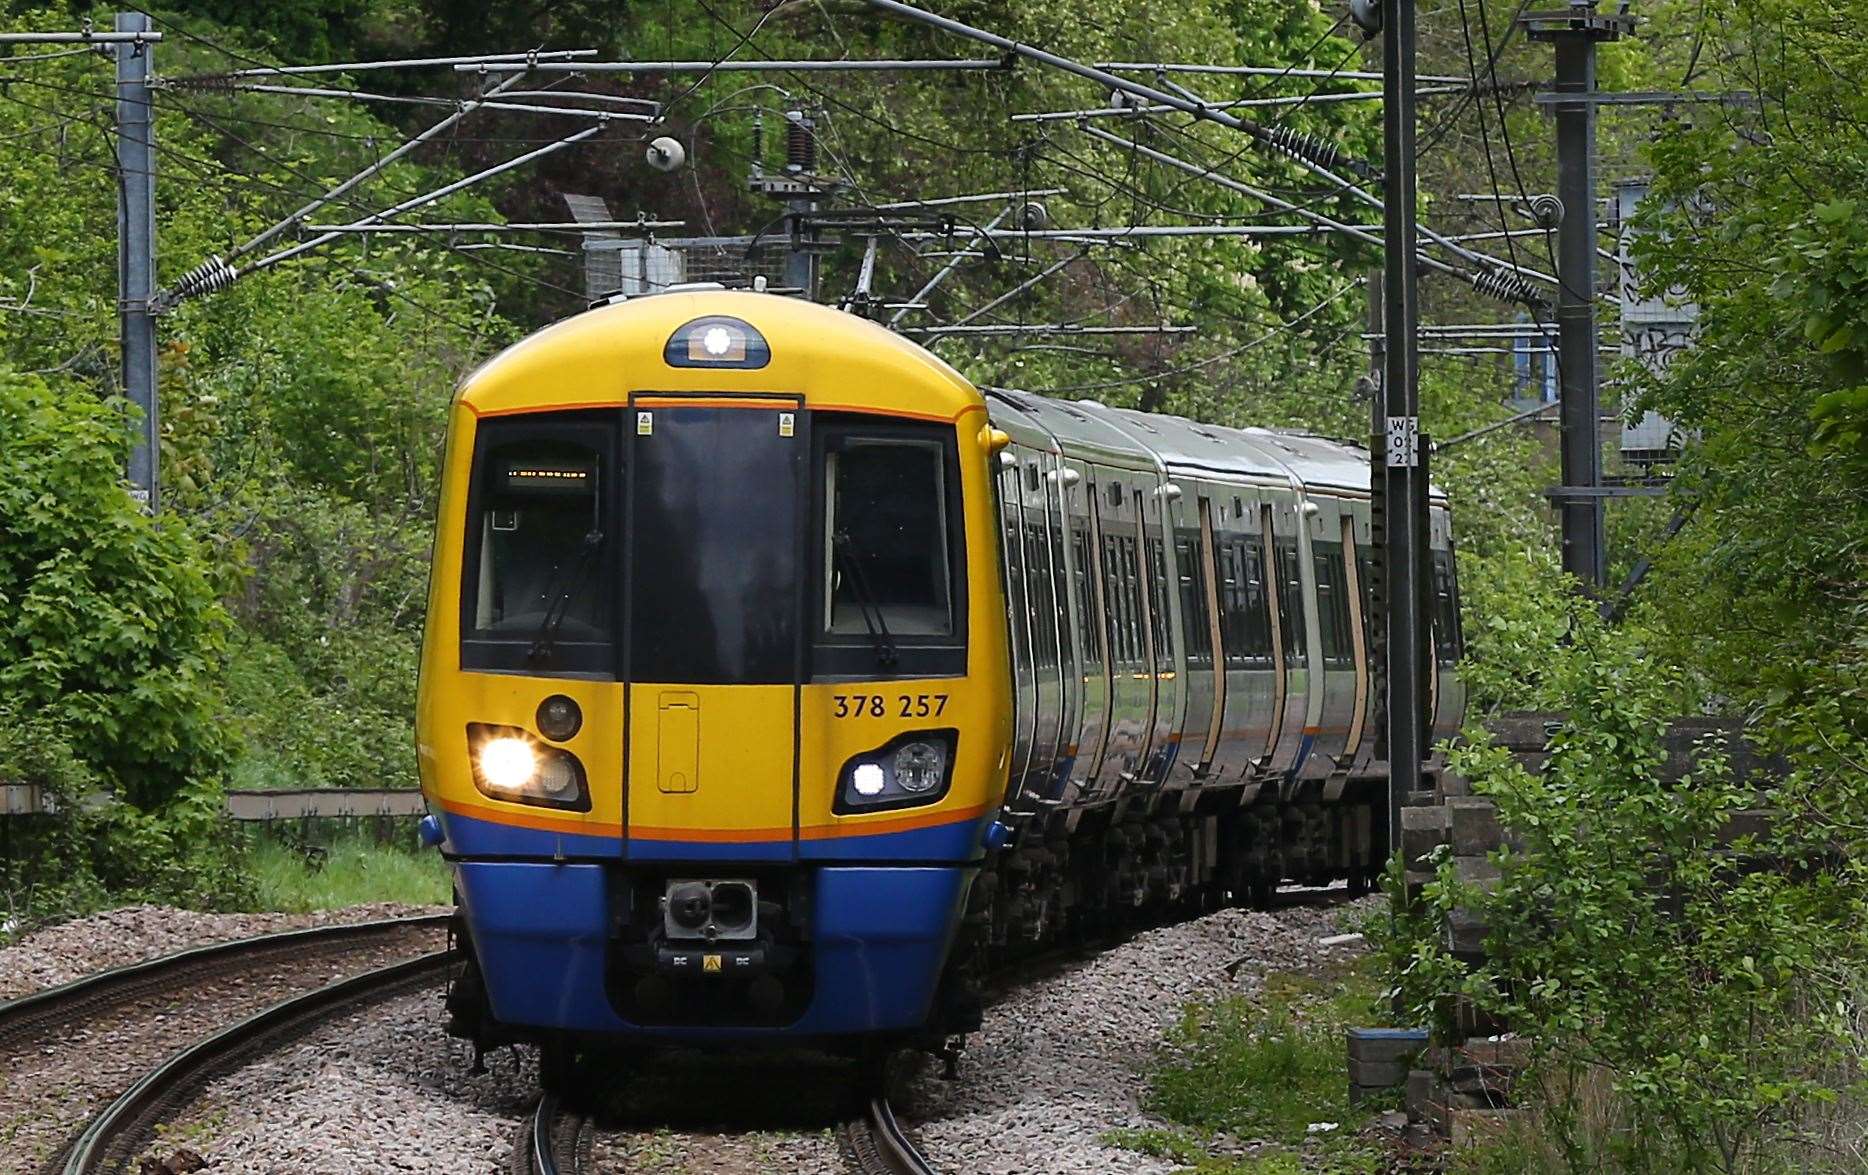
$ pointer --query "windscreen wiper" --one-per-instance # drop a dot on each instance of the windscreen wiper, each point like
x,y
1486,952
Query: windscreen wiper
x,y
879,636
561,590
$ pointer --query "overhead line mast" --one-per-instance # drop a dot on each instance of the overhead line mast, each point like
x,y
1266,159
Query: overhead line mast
x,y
1399,459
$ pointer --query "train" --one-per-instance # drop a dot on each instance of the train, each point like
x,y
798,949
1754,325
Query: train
x,y
778,683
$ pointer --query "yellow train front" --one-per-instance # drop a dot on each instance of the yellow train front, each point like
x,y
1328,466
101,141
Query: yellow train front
x,y
714,712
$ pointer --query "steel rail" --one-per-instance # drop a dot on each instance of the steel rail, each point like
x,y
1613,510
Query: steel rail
x,y
42,1009
552,1142
115,1136
880,1146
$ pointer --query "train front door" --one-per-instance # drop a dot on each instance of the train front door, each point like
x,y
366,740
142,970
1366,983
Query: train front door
x,y
713,608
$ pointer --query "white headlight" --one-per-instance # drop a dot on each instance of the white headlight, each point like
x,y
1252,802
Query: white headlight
x,y
919,766
556,777
507,763
868,779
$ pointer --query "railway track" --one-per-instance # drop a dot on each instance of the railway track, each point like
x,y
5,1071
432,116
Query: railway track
x,y
71,1051
878,1144
117,1135
34,1016
558,1141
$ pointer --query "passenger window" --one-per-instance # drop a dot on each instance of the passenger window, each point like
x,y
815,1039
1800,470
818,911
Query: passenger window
x,y
1158,601
1193,604
1038,598
1083,571
1291,605
1119,574
1446,632
1332,603
1248,612
886,525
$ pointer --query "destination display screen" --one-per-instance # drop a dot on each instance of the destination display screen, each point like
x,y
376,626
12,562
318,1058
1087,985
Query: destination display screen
x,y
553,478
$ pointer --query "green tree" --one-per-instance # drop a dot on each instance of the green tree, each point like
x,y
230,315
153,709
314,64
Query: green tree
x,y
110,621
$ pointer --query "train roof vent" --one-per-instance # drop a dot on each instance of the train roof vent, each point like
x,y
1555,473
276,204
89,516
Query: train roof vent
x,y
692,287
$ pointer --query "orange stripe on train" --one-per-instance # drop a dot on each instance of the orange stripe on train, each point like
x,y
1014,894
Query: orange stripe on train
x,y
868,827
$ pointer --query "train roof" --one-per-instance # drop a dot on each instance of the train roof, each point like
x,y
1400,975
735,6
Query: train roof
x,y
1082,429
1125,436
598,358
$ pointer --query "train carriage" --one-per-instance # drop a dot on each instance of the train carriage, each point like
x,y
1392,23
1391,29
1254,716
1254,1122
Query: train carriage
x,y
776,680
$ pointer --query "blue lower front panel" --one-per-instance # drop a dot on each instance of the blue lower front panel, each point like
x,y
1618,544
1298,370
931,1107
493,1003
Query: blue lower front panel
x,y
879,940
539,930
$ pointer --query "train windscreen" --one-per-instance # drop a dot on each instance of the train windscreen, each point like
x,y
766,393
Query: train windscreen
x,y
888,591
540,544
888,556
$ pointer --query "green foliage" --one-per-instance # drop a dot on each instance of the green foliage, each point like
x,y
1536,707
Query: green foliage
x,y
299,30
265,626
1252,1073
1518,606
1761,229
347,730
1261,1072
1177,1146
111,625
1710,999
92,850
354,870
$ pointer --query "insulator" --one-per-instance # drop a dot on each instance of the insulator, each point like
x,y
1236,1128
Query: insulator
x,y
212,83
800,143
205,278
1506,287
758,139
1305,145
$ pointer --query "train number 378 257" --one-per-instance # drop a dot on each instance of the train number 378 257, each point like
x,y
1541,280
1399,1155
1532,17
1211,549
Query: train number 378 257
x,y
881,705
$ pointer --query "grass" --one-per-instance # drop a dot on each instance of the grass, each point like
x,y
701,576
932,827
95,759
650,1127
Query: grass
x,y
356,870
1244,1080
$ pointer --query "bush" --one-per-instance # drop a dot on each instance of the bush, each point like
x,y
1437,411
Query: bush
x,y
90,851
110,622
1691,998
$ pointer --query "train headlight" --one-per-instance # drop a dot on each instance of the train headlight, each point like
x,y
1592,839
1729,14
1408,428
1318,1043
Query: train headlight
x,y
510,764
868,779
919,767
507,763
910,770
717,340
559,718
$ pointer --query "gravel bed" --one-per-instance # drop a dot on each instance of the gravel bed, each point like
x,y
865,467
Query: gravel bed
x,y
737,1114
69,950
49,1086
666,1152
1063,1059
383,1089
